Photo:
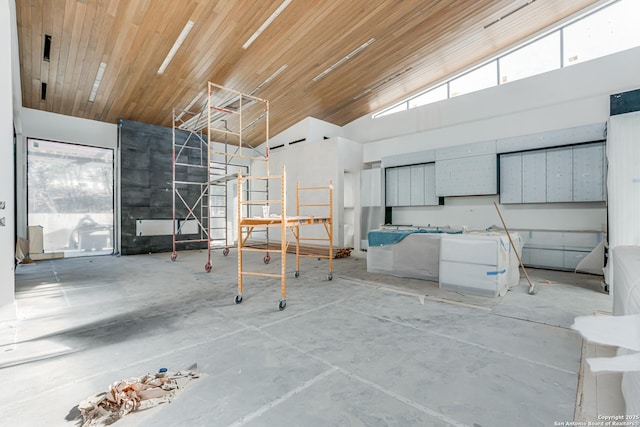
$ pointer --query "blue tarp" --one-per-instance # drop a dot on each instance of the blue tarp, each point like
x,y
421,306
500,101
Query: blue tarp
x,y
384,237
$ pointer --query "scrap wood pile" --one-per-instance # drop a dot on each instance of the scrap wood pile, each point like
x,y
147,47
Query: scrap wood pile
x,y
133,394
306,250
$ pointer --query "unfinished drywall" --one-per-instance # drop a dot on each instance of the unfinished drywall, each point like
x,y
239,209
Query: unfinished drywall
x,y
308,129
7,248
61,128
570,97
317,163
58,128
478,213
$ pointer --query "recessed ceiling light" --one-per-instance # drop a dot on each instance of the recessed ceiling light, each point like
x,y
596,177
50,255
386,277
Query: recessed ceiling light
x,y
183,35
266,23
96,83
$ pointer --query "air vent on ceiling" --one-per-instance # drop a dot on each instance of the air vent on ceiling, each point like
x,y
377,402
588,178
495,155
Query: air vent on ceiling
x,y
47,48
43,92
297,140
275,147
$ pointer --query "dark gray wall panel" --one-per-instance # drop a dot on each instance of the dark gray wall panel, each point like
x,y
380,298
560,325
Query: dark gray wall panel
x,y
146,185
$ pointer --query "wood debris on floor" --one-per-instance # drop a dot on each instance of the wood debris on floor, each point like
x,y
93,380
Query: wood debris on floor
x,y
307,250
133,394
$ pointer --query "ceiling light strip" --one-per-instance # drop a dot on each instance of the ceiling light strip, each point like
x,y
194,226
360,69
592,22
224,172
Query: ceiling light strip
x,y
266,23
96,83
187,109
345,59
183,35
508,14
268,80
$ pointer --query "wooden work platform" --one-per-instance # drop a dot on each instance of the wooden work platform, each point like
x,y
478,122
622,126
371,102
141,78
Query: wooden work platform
x,y
288,225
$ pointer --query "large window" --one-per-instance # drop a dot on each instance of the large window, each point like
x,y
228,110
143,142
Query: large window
x,y
434,95
70,195
610,29
477,79
534,58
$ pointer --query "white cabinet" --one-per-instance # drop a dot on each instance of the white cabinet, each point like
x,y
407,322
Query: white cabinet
x,y
417,185
370,185
554,249
588,172
430,197
560,174
467,176
534,177
511,178
564,174
404,186
410,185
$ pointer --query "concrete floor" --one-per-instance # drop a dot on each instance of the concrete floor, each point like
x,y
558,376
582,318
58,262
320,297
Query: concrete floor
x,y
360,350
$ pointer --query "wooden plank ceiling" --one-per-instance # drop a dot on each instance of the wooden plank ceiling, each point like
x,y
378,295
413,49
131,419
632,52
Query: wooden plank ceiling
x,y
417,41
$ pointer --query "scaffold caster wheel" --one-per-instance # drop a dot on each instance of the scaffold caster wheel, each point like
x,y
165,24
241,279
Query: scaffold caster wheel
x,y
267,258
238,299
225,251
330,276
174,256
208,267
282,305
296,274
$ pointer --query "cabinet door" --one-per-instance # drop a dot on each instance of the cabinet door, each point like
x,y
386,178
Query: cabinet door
x,y
430,197
588,172
534,182
370,187
391,186
417,185
511,178
560,174
404,186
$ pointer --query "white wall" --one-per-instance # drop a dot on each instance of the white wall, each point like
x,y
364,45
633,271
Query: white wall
x,y
315,164
58,128
568,97
61,128
310,129
7,237
560,99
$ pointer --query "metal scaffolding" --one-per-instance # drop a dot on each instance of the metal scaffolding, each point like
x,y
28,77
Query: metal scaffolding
x,y
234,123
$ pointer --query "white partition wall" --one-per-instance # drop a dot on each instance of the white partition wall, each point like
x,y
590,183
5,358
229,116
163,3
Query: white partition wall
x,y
7,218
623,185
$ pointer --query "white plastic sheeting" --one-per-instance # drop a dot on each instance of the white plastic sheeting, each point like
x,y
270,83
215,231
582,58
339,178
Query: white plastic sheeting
x,y
621,330
479,263
623,184
416,256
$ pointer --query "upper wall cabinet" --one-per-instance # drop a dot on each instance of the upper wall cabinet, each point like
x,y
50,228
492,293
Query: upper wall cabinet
x,y
588,173
511,178
565,174
370,188
411,185
467,176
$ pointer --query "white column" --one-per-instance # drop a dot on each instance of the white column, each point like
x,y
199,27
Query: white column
x,y
7,217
